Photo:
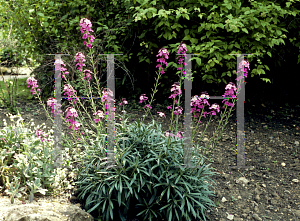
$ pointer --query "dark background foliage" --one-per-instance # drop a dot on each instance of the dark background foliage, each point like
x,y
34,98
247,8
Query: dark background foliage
x,y
211,28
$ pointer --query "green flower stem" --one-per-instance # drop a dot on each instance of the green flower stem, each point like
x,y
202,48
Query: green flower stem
x,y
64,136
172,108
220,132
148,108
151,114
173,114
169,137
211,139
93,105
177,115
214,136
197,125
215,132
178,102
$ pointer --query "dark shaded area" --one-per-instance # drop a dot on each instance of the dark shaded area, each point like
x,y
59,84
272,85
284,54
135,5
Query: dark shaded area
x,y
283,88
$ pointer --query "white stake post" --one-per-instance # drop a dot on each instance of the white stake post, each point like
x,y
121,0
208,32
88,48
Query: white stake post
x,y
240,116
111,111
57,110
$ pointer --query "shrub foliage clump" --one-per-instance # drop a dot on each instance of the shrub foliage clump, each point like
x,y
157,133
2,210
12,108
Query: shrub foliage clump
x,y
148,179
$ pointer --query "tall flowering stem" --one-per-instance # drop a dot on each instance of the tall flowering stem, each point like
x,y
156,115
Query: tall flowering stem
x,y
164,54
86,74
86,27
68,89
230,91
181,50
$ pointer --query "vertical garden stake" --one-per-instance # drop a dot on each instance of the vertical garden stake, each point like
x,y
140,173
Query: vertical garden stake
x,y
111,114
57,120
240,117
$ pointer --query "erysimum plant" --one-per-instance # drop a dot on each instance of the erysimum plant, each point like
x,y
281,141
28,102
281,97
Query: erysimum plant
x,y
136,153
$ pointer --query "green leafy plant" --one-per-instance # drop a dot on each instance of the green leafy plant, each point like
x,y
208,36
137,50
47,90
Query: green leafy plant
x,y
25,156
14,190
34,188
18,90
147,180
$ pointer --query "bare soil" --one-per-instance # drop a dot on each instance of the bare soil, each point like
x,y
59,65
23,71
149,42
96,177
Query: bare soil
x,y
269,191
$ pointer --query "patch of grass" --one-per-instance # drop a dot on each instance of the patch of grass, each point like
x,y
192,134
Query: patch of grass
x,y
22,91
